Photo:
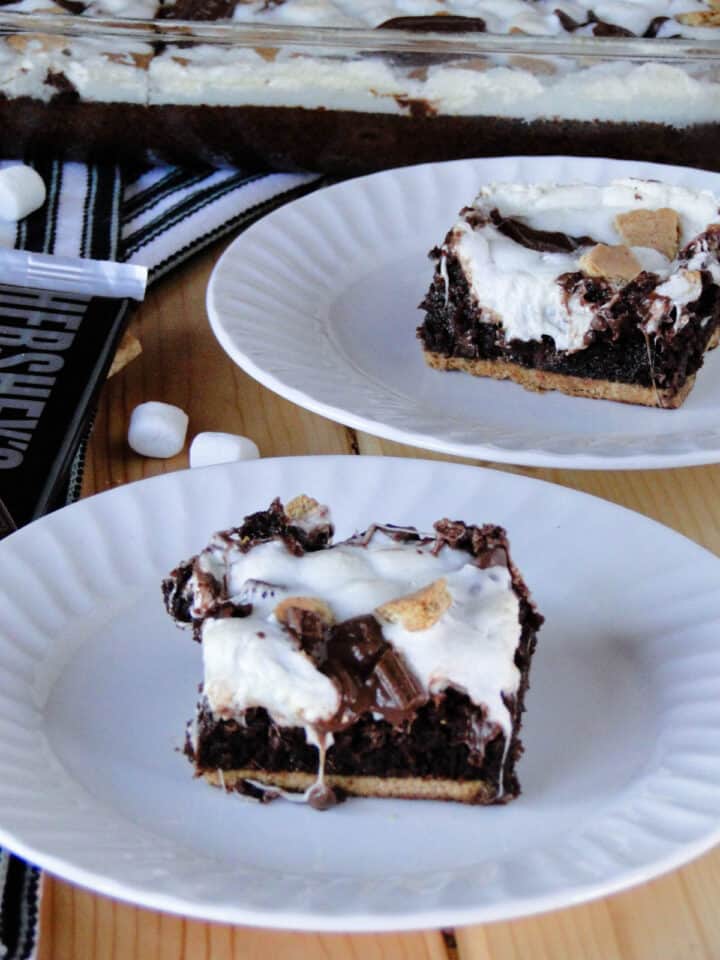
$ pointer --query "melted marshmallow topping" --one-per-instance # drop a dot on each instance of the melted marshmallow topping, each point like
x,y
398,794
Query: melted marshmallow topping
x,y
517,285
523,87
255,661
534,17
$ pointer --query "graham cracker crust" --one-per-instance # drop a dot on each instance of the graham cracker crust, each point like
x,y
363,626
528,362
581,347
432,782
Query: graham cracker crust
x,y
543,380
408,788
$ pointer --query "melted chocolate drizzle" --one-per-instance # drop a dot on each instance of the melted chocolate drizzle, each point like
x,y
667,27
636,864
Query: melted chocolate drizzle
x,y
544,241
600,28
370,675
73,6
653,28
198,10
437,24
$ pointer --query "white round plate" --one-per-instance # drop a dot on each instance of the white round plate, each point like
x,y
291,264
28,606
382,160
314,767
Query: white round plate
x,y
621,775
318,301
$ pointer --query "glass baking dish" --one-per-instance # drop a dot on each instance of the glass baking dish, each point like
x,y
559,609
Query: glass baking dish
x,y
347,101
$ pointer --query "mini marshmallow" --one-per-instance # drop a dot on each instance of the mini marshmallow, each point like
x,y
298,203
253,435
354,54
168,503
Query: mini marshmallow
x,y
208,448
22,190
157,429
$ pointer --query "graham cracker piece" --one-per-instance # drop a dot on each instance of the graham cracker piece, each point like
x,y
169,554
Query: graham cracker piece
x,y
128,348
301,506
419,610
140,60
36,41
534,65
312,604
659,229
700,18
616,262
269,54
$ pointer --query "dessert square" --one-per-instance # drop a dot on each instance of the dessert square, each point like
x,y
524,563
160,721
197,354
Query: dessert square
x,y
243,82
391,664
609,292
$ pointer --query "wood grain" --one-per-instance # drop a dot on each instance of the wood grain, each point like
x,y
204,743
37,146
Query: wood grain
x,y
78,925
672,917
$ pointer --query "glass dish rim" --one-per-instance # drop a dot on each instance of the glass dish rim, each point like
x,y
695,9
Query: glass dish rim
x,y
240,33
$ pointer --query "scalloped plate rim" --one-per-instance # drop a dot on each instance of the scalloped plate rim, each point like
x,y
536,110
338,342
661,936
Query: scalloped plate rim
x,y
531,455
349,922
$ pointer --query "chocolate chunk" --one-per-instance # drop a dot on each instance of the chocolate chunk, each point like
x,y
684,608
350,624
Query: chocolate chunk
x,y
356,696
198,10
600,28
356,643
72,6
544,241
370,676
567,22
436,24
321,797
65,88
311,629
397,690
603,29
653,28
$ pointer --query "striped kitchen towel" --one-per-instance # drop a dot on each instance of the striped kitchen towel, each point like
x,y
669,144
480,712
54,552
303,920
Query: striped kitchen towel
x,y
157,218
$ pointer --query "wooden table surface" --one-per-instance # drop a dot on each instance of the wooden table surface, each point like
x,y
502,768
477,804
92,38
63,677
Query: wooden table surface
x,y
675,917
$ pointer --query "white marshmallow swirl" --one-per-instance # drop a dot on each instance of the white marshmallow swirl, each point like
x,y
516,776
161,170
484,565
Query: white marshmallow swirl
x,y
517,286
255,661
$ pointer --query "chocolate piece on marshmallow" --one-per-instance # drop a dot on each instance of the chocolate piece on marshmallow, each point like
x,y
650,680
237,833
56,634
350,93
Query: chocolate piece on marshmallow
x,y
212,447
22,191
157,429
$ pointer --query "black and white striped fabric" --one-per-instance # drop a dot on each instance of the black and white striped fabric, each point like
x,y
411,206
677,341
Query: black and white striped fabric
x,y
168,215
157,218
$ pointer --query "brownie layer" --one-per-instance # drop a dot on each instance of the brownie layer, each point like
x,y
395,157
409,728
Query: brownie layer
x,y
663,364
339,142
432,744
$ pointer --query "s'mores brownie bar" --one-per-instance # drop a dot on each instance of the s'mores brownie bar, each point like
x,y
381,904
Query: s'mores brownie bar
x,y
391,664
610,292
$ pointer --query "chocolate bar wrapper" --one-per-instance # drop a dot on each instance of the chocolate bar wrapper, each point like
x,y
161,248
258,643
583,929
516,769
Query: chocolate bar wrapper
x,y
61,319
